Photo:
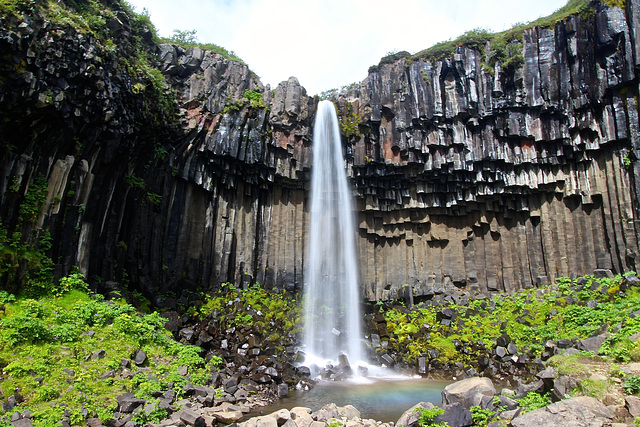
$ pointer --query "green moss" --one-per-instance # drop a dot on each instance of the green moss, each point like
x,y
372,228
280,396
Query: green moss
x,y
251,98
571,364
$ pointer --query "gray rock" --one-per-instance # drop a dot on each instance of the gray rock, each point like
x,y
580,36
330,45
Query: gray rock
x,y
191,417
127,402
468,392
327,412
632,404
592,343
283,390
349,412
139,357
578,411
455,415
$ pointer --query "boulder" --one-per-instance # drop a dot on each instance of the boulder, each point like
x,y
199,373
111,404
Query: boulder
x,y
301,416
349,412
592,343
22,422
127,402
139,357
632,404
191,417
576,412
468,392
455,415
562,386
327,412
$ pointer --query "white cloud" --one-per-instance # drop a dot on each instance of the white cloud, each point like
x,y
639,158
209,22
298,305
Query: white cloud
x,y
329,43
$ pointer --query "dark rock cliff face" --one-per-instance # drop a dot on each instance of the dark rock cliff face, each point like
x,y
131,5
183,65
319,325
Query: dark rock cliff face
x,y
464,177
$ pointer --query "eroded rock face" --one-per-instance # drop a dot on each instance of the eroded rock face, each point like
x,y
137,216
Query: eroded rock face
x,y
463,176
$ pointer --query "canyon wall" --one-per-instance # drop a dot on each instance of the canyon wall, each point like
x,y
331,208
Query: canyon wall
x,y
465,176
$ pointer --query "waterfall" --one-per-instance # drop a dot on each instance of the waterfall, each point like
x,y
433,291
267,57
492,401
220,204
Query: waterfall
x,y
331,288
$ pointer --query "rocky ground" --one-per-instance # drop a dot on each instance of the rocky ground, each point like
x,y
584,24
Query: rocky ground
x,y
471,401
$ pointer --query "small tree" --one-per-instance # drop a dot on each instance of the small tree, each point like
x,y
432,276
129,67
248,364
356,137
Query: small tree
x,y
184,37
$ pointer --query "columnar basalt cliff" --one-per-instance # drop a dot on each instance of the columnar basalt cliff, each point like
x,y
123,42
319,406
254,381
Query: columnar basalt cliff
x,y
465,176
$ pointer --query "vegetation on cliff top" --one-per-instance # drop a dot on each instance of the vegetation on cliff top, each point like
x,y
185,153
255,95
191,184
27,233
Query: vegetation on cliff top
x,y
504,47
121,35
188,38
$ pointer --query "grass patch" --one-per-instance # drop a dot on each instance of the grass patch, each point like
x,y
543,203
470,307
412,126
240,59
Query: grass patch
x,y
566,310
57,351
593,388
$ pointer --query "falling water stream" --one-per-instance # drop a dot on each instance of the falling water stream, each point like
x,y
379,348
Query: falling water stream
x,y
332,297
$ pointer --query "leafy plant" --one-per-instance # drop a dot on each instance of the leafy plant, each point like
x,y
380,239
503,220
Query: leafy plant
x,y
481,417
74,281
631,384
426,417
533,401
33,199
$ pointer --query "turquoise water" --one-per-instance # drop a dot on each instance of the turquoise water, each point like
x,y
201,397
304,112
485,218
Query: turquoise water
x,y
381,399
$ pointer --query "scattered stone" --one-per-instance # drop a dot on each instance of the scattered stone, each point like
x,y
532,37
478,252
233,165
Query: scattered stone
x,y
139,357
22,422
191,417
127,402
327,412
225,416
99,354
283,390
108,374
592,344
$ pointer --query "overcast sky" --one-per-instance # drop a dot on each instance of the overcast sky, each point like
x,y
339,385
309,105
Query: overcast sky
x,y
330,43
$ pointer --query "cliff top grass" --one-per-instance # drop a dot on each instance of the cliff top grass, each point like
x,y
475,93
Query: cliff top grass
x,y
499,42
188,38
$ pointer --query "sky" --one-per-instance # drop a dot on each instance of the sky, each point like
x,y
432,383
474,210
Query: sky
x,y
327,44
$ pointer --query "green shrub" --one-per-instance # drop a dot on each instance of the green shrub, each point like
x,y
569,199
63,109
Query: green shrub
x,y
427,417
533,401
74,281
481,417
632,384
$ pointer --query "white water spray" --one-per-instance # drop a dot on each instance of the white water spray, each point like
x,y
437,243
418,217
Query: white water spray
x,y
332,296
